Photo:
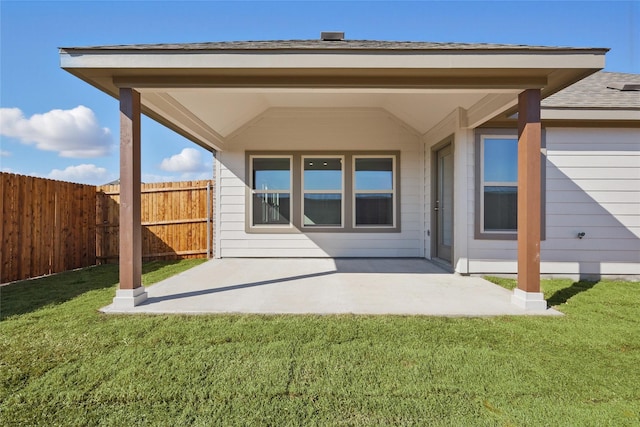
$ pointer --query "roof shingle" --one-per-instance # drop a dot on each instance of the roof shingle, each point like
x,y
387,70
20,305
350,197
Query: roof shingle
x,y
595,92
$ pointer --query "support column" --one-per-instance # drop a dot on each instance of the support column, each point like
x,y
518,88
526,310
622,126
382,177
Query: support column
x,y
528,295
130,291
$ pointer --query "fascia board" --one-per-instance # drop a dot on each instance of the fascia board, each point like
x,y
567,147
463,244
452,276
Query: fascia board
x,y
266,60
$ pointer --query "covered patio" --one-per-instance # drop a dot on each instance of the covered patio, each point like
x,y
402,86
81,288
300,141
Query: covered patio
x,y
414,105
400,286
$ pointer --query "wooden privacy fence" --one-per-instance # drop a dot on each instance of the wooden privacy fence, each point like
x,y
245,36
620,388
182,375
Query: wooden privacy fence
x,y
52,226
177,221
46,226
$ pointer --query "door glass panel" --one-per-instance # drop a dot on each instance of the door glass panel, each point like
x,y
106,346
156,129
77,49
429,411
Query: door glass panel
x,y
446,204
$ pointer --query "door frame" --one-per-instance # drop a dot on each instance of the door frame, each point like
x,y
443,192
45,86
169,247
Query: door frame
x,y
448,141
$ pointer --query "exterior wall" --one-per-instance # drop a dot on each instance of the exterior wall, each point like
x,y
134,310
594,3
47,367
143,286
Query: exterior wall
x,y
592,186
322,130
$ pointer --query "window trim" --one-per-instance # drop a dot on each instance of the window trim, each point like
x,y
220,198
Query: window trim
x,y
297,192
502,133
342,190
253,191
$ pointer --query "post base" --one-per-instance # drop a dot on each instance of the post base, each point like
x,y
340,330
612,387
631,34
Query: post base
x,y
533,301
129,298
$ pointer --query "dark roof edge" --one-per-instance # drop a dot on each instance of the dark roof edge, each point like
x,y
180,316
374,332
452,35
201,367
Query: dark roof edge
x,y
333,46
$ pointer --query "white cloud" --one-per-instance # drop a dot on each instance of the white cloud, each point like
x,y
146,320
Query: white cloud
x,y
189,160
4,153
84,174
72,133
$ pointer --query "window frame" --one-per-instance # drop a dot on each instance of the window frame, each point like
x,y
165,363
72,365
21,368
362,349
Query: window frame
x,y
355,192
484,183
253,191
342,191
502,133
296,225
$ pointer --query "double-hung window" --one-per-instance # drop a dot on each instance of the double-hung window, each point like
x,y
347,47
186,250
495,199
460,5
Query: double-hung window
x,y
323,188
271,190
496,167
499,175
374,191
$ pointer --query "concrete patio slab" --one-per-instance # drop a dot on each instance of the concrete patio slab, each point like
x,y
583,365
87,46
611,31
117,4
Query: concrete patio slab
x,y
326,286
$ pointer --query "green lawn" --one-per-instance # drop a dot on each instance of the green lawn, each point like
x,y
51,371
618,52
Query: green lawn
x,y
64,363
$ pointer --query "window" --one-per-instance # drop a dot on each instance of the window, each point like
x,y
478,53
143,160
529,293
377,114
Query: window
x,y
271,191
322,191
499,170
373,191
351,192
496,195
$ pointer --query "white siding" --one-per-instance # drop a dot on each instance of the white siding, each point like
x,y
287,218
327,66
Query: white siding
x,y
322,130
592,186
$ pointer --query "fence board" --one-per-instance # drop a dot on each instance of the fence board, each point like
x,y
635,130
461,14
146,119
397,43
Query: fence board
x,y
24,242
36,254
14,229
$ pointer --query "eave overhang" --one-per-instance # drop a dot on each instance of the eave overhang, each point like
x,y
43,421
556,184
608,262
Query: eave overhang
x,y
157,71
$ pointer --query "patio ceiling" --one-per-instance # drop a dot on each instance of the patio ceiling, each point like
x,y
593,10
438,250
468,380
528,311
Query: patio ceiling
x,y
224,111
208,92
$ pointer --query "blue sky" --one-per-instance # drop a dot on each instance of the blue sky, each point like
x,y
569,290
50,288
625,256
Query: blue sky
x,y
54,125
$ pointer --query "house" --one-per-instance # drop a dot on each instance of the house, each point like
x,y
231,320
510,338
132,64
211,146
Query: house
x,y
342,148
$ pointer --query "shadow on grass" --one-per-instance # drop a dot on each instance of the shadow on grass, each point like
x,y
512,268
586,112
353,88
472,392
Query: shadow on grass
x,y
565,294
29,295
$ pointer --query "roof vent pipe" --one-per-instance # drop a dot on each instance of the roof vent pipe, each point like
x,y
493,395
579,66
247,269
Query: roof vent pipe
x,y
332,36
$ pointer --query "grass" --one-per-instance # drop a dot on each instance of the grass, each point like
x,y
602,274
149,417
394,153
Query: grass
x,y
64,363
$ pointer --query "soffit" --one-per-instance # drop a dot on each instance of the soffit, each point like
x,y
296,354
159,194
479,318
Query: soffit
x,y
226,111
